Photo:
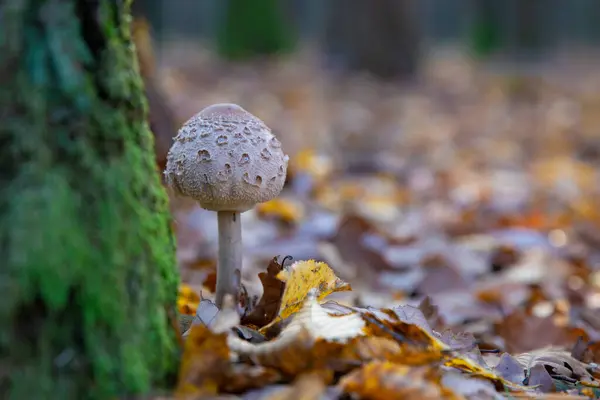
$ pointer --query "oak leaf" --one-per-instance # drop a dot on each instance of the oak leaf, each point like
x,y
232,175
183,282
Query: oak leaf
x,y
270,302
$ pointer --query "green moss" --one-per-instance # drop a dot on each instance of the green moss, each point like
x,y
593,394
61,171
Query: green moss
x,y
87,271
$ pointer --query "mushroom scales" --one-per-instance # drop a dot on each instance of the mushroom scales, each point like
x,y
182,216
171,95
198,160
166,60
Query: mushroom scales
x,y
228,160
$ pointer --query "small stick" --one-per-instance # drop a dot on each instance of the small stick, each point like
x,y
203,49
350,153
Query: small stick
x,y
230,256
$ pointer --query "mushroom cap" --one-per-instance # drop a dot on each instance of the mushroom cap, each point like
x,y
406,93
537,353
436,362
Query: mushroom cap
x,y
226,159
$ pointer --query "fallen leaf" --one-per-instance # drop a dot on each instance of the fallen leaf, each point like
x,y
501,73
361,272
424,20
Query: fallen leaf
x,y
300,278
503,257
412,315
295,349
284,210
556,360
471,388
381,380
510,369
185,322
431,313
205,360
206,312
361,262
270,302
187,300
523,332
241,378
407,326
315,340
209,315
305,387
439,276
540,379
476,369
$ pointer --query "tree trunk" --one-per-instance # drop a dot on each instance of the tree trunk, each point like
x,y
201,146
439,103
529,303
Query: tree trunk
x,y
380,37
529,19
87,276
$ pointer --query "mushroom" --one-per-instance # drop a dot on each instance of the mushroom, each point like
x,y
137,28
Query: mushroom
x,y
227,160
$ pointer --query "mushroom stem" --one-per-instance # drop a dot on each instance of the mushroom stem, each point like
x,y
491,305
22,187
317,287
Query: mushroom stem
x,y
230,255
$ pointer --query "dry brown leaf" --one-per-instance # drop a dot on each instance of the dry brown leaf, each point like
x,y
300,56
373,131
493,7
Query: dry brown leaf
x,y
590,352
305,387
206,368
315,340
408,327
242,378
361,263
431,313
523,332
270,302
381,380
405,324
205,360
295,347
439,276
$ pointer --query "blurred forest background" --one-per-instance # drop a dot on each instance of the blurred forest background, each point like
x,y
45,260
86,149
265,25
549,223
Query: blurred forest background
x,y
284,55
422,116
477,113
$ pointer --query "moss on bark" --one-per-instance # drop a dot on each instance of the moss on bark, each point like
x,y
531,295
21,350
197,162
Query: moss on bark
x,y
87,268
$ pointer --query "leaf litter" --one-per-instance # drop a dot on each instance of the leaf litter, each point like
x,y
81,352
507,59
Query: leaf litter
x,y
458,260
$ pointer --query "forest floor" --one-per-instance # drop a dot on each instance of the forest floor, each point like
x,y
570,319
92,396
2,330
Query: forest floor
x,y
457,218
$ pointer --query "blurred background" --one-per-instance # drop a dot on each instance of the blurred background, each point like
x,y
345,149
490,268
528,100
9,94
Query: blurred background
x,y
313,67
437,147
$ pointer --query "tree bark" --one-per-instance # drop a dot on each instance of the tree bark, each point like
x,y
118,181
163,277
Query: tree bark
x,y
87,270
380,37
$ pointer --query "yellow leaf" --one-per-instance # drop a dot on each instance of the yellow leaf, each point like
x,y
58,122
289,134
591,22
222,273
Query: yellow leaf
x,y
300,278
187,300
316,165
464,363
285,210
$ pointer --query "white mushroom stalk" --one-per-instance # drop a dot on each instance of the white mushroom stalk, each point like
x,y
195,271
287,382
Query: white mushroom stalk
x,y
228,160
230,254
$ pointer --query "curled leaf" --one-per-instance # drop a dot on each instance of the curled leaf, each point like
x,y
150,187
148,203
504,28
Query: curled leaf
x,y
300,278
270,302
